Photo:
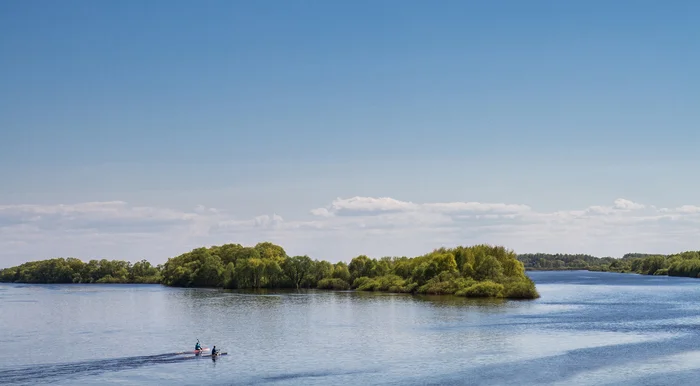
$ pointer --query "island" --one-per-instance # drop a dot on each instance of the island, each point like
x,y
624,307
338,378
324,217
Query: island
x,y
474,271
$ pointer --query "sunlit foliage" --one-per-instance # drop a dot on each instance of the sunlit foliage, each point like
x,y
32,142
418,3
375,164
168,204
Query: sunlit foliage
x,y
476,271
480,270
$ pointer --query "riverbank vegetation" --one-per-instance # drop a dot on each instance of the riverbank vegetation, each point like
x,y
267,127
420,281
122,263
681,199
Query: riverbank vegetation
x,y
558,262
72,270
476,271
553,262
684,264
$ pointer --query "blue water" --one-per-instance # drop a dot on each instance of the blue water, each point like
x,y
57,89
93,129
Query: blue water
x,y
588,328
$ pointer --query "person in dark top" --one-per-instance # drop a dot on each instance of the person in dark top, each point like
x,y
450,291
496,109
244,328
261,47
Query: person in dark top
x,y
214,351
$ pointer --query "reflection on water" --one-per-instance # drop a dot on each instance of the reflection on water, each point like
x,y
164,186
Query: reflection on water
x,y
587,328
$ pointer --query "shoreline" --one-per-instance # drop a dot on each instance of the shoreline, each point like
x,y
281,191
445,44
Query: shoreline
x,y
280,290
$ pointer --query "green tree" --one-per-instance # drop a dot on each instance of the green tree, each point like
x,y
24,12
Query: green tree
x,y
298,268
489,269
360,266
341,271
322,270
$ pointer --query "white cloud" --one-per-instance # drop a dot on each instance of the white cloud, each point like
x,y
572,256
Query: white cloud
x,y
369,205
323,212
343,229
621,203
688,209
365,205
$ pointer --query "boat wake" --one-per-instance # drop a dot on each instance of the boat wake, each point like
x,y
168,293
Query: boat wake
x,y
42,372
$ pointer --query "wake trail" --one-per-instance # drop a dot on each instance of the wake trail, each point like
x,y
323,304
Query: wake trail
x,y
39,372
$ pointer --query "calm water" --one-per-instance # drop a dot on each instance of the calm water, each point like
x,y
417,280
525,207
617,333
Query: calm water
x,y
587,329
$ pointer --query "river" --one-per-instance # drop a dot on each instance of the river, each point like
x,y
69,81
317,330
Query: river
x,y
588,328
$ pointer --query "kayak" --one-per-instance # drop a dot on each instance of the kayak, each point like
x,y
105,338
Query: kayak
x,y
216,355
194,351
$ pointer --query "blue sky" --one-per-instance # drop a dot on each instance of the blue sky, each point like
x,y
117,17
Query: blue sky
x,y
135,115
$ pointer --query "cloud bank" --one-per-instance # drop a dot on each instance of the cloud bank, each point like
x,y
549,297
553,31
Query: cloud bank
x,y
346,227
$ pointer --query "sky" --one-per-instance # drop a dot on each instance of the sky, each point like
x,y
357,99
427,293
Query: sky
x,y
133,129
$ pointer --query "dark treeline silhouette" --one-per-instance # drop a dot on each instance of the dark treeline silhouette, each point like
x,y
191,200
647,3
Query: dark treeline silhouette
x,y
476,271
685,264
72,270
637,255
558,261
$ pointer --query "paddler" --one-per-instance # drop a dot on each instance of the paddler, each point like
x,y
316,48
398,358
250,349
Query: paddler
x,y
214,351
197,347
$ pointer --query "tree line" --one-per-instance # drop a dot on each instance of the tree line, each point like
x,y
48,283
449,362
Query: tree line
x,y
475,271
558,261
684,264
72,270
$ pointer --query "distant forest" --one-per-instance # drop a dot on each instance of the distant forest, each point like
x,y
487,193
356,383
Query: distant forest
x,y
475,271
686,264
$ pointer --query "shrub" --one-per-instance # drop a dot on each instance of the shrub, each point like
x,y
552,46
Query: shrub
x,y
360,281
483,289
444,284
520,289
333,284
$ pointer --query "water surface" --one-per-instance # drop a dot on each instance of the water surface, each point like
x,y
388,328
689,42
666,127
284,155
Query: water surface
x,y
588,328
